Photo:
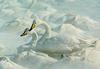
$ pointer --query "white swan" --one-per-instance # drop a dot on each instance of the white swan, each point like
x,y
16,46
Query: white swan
x,y
28,46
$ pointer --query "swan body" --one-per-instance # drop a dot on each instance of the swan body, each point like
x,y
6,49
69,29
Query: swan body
x,y
55,44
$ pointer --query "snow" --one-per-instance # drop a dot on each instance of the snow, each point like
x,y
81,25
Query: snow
x,y
33,60
6,63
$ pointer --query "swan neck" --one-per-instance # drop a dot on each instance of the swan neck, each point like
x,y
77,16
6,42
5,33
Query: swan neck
x,y
34,36
46,34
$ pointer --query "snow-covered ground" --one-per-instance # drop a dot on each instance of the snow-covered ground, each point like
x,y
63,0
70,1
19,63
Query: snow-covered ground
x,y
69,34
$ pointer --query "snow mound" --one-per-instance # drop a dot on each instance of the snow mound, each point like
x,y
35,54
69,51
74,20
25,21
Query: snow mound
x,y
33,59
64,64
6,63
72,31
83,23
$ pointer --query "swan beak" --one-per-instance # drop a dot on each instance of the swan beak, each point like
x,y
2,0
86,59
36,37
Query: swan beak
x,y
23,34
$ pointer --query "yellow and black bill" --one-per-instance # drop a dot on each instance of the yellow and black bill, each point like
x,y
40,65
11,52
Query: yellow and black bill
x,y
25,32
33,25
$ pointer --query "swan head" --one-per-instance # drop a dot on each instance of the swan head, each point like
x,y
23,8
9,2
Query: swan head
x,y
27,30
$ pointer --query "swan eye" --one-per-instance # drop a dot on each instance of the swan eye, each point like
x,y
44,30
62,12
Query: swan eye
x,y
34,24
